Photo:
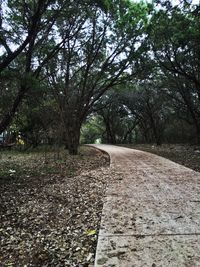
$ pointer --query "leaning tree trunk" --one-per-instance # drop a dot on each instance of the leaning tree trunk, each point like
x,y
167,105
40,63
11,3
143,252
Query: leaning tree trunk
x,y
8,117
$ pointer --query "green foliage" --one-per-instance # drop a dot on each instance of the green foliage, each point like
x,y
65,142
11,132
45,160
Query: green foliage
x,y
62,61
173,36
92,130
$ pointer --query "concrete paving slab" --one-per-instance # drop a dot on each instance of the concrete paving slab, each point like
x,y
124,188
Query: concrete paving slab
x,y
151,214
148,251
122,216
155,191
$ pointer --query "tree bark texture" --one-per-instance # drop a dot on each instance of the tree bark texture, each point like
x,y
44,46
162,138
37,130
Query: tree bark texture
x,y
73,129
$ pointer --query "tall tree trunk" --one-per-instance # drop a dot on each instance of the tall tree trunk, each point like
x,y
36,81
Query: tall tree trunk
x,y
73,141
73,130
111,139
145,132
155,130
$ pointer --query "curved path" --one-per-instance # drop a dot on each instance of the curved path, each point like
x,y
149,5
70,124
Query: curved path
x,y
151,213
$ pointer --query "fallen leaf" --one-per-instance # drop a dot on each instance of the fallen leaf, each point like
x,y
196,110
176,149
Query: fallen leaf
x,y
91,232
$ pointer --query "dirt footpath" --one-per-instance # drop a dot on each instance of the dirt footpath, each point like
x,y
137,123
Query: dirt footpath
x,y
151,214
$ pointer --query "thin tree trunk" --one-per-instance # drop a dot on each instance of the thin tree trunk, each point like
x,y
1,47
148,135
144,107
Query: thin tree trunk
x,y
156,134
8,117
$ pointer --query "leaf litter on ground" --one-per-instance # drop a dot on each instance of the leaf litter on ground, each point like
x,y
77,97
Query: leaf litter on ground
x,y
50,210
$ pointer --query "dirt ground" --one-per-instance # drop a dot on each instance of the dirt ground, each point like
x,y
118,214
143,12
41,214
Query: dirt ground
x,y
50,207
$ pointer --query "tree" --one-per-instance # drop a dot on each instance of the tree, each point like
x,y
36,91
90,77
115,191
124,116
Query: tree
x,y
117,119
37,119
26,38
92,130
177,53
101,55
149,109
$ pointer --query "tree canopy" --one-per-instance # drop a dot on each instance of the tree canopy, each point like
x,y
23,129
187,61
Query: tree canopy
x,y
132,67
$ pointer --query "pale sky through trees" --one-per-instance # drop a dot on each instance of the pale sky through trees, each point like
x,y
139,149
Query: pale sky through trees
x,y
175,2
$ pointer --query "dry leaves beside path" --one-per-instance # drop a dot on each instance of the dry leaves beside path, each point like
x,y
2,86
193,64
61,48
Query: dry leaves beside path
x,y
50,211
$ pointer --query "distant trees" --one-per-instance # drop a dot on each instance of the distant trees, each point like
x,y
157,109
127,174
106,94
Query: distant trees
x,y
149,110
174,33
117,119
139,109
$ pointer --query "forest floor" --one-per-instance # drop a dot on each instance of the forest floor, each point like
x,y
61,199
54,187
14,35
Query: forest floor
x,y
51,203
50,207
